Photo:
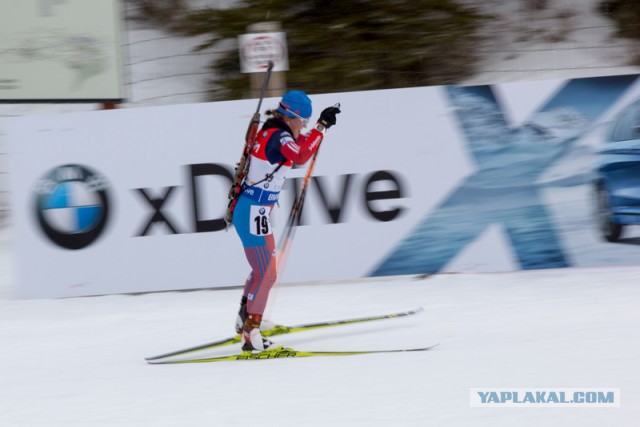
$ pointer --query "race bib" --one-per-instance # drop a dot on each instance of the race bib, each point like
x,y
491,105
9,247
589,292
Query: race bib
x,y
259,220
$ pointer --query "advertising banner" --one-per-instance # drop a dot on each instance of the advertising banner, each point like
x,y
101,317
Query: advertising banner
x,y
410,181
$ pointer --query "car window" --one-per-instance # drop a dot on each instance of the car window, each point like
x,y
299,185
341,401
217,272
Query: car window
x,y
635,122
617,129
623,129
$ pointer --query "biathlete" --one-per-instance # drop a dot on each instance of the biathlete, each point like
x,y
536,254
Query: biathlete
x,y
279,145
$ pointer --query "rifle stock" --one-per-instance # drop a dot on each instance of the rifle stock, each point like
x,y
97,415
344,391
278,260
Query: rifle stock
x,y
242,167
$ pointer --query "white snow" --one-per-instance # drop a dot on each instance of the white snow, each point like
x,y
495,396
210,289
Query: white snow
x,y
79,362
565,39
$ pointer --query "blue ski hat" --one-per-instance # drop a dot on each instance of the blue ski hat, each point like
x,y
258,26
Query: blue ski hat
x,y
295,103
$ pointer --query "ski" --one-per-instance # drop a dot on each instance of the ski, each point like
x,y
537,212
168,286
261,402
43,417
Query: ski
x,y
283,353
282,330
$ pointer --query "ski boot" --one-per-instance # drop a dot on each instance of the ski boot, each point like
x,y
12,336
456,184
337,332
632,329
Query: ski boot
x,y
252,339
265,324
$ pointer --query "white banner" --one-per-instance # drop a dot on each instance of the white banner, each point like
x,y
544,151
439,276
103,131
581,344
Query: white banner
x,y
152,183
410,181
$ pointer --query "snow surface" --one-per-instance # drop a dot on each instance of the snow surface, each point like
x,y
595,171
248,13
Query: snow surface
x,y
79,362
565,39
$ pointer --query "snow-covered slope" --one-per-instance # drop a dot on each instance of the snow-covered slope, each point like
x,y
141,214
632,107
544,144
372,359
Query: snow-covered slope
x,y
79,362
563,39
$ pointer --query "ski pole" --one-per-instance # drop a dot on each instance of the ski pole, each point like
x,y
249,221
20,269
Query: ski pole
x,y
296,211
294,216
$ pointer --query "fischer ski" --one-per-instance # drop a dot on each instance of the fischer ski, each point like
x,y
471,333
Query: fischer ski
x,y
282,330
283,353
242,168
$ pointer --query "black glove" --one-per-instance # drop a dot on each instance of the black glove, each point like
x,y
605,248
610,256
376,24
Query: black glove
x,y
328,116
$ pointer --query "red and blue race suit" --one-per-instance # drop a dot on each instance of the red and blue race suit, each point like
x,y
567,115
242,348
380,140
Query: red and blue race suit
x,y
275,151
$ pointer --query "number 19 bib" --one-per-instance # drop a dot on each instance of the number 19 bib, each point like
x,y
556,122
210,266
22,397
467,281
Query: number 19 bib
x,y
259,220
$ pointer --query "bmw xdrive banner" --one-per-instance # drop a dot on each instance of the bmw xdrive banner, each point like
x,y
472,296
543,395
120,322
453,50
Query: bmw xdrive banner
x,y
412,181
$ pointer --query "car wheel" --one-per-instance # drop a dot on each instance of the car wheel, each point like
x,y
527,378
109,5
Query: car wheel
x,y
609,229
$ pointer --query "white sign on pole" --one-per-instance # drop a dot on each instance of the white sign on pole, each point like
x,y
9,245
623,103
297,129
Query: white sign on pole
x,y
257,49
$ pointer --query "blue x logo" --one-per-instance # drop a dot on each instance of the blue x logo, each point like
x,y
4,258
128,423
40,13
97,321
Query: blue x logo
x,y
503,190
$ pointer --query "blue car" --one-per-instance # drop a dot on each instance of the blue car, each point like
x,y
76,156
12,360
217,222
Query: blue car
x,y
617,184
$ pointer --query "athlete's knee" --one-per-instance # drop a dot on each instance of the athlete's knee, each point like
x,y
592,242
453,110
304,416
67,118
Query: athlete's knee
x,y
270,279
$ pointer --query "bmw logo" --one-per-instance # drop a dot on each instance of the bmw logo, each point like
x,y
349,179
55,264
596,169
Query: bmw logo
x,y
262,211
72,205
